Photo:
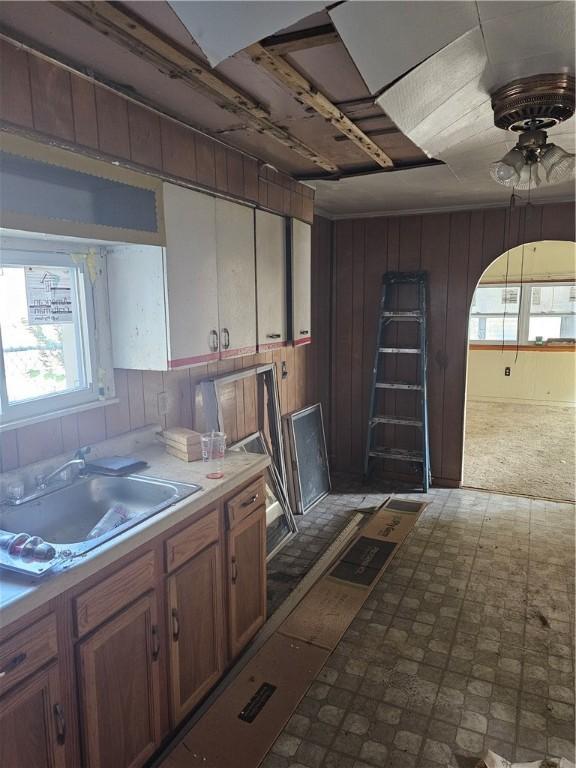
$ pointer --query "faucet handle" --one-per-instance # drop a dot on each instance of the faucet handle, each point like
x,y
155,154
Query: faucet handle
x,y
81,453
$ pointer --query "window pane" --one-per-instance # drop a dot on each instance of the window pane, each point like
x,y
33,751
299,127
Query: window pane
x,y
493,328
494,300
41,357
552,298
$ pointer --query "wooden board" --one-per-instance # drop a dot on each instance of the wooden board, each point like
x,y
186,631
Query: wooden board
x,y
239,729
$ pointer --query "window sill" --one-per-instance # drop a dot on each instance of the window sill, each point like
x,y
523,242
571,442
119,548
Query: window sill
x,y
11,425
491,346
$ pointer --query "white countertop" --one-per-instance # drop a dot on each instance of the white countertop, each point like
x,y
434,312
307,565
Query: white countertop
x,y
19,595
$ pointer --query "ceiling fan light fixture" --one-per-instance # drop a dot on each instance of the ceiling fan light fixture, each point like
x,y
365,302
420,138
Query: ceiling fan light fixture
x,y
557,164
507,170
529,177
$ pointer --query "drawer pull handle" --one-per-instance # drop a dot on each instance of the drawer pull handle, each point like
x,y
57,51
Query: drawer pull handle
x,y
175,625
60,724
12,664
251,500
273,335
155,643
302,333
234,571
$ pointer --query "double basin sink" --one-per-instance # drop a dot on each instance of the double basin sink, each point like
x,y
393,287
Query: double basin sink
x,y
79,517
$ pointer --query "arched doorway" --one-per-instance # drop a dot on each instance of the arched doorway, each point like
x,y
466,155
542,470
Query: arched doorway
x,y
521,381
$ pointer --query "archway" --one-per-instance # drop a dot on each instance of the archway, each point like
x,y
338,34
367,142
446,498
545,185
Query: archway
x,y
520,411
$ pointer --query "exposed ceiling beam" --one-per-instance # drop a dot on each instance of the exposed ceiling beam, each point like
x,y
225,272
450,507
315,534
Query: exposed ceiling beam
x,y
368,170
128,30
290,42
306,93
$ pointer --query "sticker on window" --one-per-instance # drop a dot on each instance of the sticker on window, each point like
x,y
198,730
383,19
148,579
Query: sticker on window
x,y
49,295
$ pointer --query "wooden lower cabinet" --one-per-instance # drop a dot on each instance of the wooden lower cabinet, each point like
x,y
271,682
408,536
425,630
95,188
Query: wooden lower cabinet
x,y
246,579
32,723
120,688
196,630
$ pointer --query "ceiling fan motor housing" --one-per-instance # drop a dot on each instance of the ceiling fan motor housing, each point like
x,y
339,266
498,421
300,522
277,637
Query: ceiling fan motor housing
x,y
537,102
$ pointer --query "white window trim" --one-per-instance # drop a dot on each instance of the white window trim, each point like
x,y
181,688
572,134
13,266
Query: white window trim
x,y
91,261
523,312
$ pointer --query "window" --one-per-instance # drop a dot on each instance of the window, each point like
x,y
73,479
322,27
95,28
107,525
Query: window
x,y
48,352
494,314
552,312
526,314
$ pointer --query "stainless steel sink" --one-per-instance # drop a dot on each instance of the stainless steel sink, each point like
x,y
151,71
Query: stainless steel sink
x,y
66,516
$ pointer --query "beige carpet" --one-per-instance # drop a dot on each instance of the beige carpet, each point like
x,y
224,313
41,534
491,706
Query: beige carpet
x,y
523,449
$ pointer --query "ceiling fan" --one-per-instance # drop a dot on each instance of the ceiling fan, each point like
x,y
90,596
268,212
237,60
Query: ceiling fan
x,y
529,107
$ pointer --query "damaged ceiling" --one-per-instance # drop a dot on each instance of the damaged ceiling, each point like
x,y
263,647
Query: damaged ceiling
x,y
394,95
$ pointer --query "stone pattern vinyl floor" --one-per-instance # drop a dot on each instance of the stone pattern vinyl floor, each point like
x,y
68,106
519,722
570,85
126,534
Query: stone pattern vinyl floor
x,y
465,644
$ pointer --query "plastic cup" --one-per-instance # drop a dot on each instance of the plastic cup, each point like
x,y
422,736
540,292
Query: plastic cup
x,y
213,448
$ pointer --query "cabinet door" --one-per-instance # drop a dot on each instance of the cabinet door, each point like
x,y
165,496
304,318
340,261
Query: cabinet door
x,y
119,688
196,621
191,276
270,280
301,282
32,725
246,579
236,279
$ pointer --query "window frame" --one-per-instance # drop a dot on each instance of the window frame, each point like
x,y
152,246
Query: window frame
x,y
93,328
522,336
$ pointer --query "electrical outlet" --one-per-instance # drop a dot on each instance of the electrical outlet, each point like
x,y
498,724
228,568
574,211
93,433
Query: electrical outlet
x,y
507,371
284,370
163,403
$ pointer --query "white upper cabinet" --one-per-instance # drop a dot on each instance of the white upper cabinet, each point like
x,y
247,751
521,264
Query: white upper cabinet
x,y
270,280
301,282
236,278
191,276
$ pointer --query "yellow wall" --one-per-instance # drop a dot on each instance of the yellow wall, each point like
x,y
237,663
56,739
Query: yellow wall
x,y
538,376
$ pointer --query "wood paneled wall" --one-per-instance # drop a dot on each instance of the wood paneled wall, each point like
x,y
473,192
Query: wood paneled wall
x,y
51,101
454,248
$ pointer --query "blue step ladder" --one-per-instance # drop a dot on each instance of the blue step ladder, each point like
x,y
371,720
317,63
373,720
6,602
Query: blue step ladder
x,y
393,294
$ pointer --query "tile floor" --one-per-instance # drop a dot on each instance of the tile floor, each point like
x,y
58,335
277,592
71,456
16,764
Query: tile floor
x,y
465,644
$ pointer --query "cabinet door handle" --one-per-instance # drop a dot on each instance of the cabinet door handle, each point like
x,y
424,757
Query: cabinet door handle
x,y
304,333
11,665
60,723
155,643
175,625
226,341
213,340
273,335
234,571
251,500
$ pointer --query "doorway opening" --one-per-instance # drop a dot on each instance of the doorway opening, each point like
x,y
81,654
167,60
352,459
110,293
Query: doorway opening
x,y
520,420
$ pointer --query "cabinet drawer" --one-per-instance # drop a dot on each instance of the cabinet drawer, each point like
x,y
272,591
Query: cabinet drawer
x,y
193,539
97,604
27,651
245,502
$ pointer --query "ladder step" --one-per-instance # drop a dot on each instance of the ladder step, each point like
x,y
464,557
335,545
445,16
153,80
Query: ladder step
x,y
399,454
397,385
406,421
413,315
400,350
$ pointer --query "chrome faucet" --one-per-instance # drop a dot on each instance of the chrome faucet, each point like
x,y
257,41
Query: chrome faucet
x,y
79,461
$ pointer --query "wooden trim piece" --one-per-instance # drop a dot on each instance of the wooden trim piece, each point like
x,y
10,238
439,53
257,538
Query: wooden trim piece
x,y
131,32
304,340
304,92
97,604
184,361
301,40
524,347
